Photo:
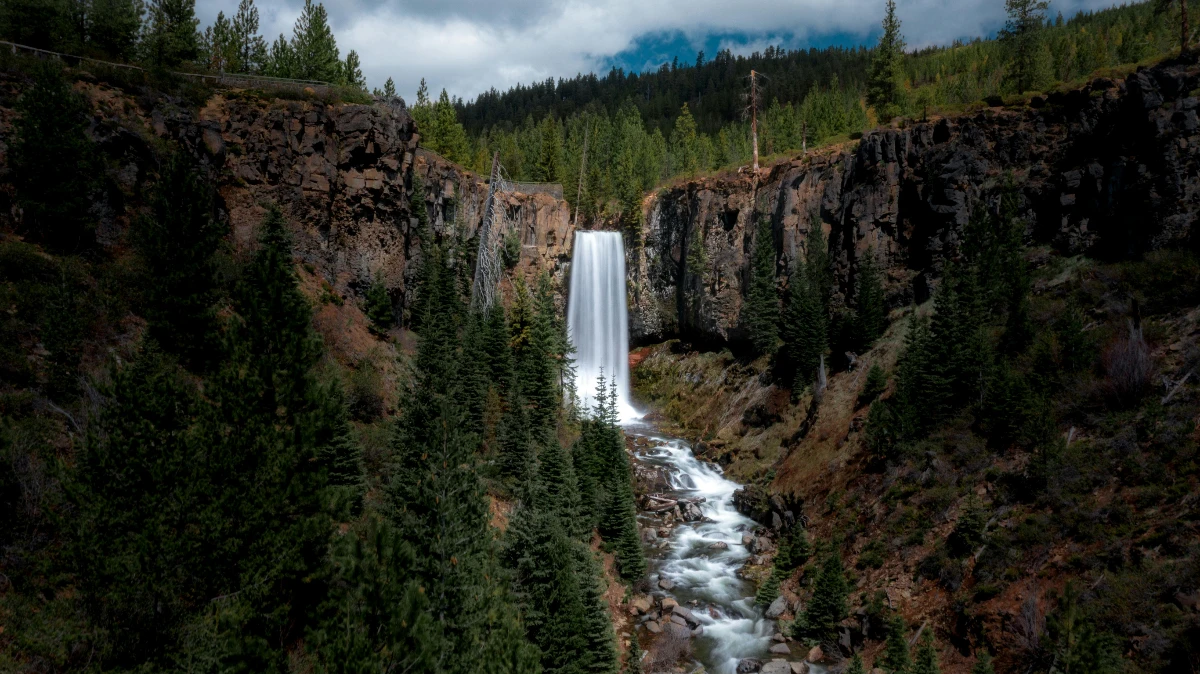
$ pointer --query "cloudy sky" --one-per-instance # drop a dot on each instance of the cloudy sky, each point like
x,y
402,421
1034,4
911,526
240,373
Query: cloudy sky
x,y
469,46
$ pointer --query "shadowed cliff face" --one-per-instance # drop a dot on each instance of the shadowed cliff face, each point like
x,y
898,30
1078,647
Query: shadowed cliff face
x,y
1110,170
342,173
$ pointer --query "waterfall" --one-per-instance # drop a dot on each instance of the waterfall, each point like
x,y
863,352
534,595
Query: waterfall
x,y
597,318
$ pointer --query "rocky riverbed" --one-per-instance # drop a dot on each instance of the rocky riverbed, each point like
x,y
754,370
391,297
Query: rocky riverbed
x,y
705,559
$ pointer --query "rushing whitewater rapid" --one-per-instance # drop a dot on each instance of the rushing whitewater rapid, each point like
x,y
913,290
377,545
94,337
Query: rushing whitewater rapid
x,y
733,627
597,318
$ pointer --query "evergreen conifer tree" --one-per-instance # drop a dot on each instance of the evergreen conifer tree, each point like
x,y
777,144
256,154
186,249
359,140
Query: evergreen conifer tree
x,y
389,88
768,591
53,163
804,328
875,385
251,49
352,71
313,48
969,530
983,664
885,83
856,665
375,617
870,312
895,658
379,304
1023,33
761,312
171,36
549,162
137,491
684,151
178,241
449,138
113,27
794,550
827,607
926,660
281,59
633,657
543,561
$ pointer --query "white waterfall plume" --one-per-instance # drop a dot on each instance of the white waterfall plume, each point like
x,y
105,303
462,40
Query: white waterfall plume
x,y
597,318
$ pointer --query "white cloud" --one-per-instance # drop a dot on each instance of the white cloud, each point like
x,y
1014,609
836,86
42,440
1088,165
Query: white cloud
x,y
469,46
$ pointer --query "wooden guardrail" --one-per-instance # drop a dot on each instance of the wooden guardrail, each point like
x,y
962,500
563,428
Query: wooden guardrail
x,y
220,79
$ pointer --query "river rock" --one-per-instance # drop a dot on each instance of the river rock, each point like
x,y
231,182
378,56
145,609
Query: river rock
x,y
640,604
815,654
664,532
666,583
653,627
763,545
777,666
776,521
781,649
777,608
668,603
680,631
719,545
686,615
649,535
679,620
799,668
748,541
749,666
699,631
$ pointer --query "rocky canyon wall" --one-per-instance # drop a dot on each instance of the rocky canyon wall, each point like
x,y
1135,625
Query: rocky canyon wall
x,y
1112,169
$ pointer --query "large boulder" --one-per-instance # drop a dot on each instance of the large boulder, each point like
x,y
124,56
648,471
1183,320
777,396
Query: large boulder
x,y
777,608
777,666
749,666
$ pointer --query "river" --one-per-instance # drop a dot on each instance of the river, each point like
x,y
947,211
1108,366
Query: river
x,y
701,570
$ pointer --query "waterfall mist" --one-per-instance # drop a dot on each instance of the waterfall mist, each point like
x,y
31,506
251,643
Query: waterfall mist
x,y
597,318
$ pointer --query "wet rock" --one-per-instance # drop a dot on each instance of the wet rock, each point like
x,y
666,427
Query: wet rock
x,y
719,545
664,532
749,666
681,631
781,649
815,654
649,535
668,603
777,666
748,541
666,584
686,615
799,668
640,604
777,608
699,631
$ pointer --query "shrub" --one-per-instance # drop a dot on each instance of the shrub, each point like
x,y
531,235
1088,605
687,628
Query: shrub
x,y
875,385
1129,368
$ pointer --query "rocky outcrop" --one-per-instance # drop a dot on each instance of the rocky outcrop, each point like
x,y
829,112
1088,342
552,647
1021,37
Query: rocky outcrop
x,y
342,174
1110,169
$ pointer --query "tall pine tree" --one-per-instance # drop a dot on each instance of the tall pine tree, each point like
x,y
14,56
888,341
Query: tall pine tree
x,y
761,312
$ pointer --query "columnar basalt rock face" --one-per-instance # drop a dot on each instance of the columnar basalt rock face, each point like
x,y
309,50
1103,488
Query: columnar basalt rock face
x,y
1110,170
344,176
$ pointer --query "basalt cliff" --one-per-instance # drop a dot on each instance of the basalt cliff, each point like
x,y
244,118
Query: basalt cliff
x,y
1110,169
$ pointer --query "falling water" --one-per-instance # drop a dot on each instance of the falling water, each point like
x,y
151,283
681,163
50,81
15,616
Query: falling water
x,y
597,320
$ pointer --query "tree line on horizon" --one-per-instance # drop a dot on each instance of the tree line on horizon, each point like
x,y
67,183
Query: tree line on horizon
x,y
644,129
166,34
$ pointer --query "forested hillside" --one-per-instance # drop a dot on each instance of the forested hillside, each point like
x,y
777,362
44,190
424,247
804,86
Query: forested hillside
x,y
192,475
